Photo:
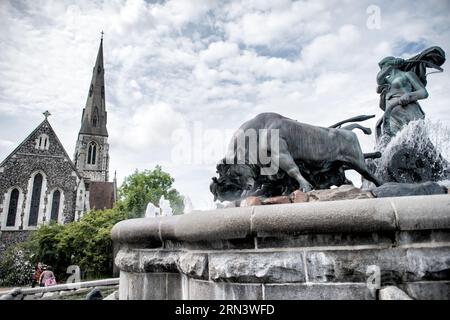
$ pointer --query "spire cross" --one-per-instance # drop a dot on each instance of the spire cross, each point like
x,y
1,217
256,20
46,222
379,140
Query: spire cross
x,y
102,33
46,114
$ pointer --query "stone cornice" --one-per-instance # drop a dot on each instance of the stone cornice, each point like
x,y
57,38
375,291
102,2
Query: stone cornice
x,y
363,215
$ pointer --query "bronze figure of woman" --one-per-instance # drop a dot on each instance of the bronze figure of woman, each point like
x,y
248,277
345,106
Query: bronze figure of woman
x,y
401,83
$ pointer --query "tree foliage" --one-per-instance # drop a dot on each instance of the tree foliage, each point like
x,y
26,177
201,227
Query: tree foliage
x,y
146,186
86,243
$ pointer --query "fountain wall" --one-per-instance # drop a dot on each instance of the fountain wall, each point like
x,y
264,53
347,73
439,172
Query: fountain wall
x,y
321,250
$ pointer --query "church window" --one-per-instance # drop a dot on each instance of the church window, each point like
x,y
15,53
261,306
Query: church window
x,y
35,200
92,153
12,210
55,205
103,92
91,89
42,142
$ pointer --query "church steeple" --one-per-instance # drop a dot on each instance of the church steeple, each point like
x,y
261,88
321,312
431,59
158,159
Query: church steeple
x,y
94,116
92,149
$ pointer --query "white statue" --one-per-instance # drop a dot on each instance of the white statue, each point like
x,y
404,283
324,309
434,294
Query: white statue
x,y
188,207
151,210
164,205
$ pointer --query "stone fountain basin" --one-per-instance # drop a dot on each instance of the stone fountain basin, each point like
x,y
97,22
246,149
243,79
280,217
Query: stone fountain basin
x,y
319,250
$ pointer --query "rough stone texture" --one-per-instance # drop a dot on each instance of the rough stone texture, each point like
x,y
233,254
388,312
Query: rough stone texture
x,y
429,263
299,196
397,265
11,238
310,291
393,293
127,260
277,200
430,290
251,201
257,267
394,189
344,192
159,261
194,265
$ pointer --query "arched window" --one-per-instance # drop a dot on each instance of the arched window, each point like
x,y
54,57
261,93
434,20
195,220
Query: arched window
x,y
35,200
42,142
95,117
91,89
92,153
55,205
12,210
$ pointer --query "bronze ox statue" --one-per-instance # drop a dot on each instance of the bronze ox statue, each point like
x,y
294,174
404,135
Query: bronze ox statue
x,y
306,156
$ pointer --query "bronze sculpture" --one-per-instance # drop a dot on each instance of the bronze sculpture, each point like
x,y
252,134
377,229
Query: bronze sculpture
x,y
309,157
401,83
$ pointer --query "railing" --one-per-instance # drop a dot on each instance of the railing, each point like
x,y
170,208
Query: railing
x,y
59,287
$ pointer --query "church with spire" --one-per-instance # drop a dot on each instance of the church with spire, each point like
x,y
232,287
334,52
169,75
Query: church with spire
x,y
92,150
40,183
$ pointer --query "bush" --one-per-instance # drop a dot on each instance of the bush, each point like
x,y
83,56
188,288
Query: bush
x,y
86,243
15,267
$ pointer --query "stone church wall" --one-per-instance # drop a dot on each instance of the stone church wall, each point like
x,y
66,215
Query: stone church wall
x,y
18,171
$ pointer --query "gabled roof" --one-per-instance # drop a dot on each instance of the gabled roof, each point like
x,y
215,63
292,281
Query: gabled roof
x,y
45,122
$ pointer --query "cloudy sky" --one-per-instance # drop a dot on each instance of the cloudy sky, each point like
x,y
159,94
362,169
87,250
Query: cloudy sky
x,y
187,73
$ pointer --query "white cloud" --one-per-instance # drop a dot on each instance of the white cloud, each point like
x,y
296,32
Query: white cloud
x,y
170,64
219,50
149,127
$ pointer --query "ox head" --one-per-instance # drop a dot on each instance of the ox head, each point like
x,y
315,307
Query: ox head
x,y
233,181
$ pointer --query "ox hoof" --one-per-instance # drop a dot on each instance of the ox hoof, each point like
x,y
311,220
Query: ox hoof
x,y
306,188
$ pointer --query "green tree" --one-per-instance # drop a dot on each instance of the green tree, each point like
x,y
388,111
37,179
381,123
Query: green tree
x,y
146,186
86,243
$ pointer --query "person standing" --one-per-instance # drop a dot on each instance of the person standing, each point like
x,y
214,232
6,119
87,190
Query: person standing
x,y
47,278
